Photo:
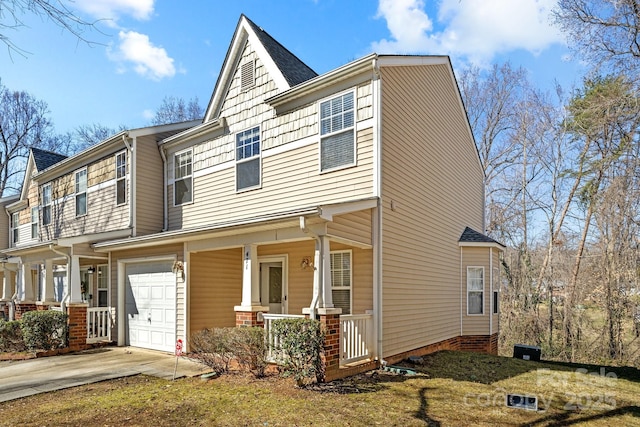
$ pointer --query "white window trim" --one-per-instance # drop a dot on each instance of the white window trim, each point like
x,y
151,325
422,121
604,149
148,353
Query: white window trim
x,y
350,287
495,298
173,181
355,135
47,205
15,228
77,193
36,222
122,178
482,313
237,162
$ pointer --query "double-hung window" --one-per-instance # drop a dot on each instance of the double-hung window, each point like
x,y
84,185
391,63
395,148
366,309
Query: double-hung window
x,y
34,223
248,167
337,133
121,178
15,223
81,192
475,290
341,280
103,286
183,177
46,204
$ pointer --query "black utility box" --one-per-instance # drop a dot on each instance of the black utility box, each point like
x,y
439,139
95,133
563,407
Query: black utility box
x,y
526,352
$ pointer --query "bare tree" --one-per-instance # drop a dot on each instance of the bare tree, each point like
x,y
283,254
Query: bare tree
x,y
59,12
603,32
23,124
174,110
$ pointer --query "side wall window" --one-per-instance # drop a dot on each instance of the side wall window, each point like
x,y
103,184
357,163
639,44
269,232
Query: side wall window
x,y
248,161
121,178
337,143
34,223
15,223
81,192
341,279
46,204
183,177
475,290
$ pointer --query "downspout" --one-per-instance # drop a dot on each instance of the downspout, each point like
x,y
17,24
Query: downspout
x,y
165,180
319,268
67,295
377,259
131,183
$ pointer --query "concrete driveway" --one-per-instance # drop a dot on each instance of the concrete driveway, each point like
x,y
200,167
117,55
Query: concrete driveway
x,y
27,377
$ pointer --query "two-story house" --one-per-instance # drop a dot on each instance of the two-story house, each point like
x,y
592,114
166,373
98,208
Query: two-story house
x,y
351,196
109,191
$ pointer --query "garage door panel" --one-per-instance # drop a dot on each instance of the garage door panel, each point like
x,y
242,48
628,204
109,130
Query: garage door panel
x,y
151,300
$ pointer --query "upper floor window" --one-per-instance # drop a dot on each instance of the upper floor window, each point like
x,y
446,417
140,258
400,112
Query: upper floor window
x,y
34,223
183,177
475,290
121,178
81,192
248,166
337,143
46,204
15,223
341,280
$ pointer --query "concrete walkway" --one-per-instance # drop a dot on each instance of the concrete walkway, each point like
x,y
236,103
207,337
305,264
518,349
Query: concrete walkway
x,y
28,377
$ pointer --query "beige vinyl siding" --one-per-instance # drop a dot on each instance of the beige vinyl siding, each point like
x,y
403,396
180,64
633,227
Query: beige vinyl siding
x,y
102,212
290,180
432,187
476,324
215,287
177,251
4,230
149,183
354,226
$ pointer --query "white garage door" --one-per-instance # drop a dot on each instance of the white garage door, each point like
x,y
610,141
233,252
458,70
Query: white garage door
x,y
151,305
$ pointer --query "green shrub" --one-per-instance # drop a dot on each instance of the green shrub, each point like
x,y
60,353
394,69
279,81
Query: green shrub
x,y
299,348
44,330
11,336
218,347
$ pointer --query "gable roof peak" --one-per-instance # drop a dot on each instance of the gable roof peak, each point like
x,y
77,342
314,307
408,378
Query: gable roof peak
x,y
286,69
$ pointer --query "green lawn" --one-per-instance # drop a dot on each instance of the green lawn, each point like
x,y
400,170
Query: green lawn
x,y
451,388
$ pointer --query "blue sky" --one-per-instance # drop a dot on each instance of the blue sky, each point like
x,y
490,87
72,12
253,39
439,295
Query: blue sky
x,y
149,49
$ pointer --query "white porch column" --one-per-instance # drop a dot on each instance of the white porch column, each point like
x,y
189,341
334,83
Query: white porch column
x,y
25,283
326,300
250,277
73,274
47,290
7,289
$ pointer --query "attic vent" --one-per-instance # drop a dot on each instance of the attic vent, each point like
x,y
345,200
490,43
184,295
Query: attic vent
x,y
248,78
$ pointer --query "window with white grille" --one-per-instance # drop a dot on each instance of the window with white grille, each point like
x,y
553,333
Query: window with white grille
x,y
248,161
337,143
121,178
183,177
475,290
81,192
341,279
46,204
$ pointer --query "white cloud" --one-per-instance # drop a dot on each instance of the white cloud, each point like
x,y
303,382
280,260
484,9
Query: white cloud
x,y
148,114
470,29
113,9
148,60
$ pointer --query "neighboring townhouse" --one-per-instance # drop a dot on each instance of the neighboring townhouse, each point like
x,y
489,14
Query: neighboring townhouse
x,y
109,191
353,197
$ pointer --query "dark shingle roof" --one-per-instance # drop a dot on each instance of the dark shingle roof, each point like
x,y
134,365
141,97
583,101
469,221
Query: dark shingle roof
x,y
293,69
471,236
45,159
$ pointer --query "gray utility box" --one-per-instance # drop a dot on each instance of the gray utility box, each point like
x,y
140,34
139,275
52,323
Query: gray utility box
x,y
526,352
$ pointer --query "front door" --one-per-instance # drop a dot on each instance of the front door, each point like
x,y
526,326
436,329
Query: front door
x,y
273,287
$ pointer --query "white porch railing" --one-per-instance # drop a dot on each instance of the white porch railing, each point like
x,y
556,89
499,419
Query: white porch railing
x,y
356,334
98,324
272,340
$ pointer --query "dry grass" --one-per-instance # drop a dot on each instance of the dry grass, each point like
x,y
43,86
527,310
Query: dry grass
x,y
451,389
